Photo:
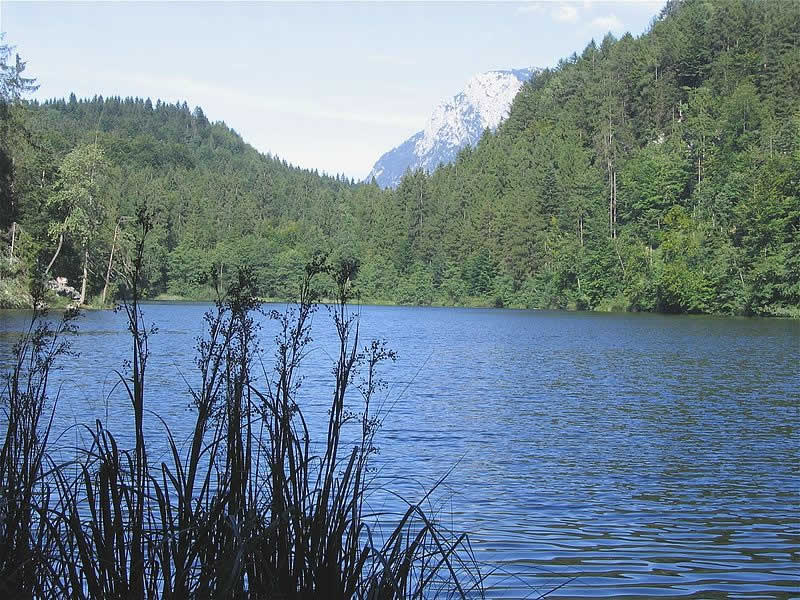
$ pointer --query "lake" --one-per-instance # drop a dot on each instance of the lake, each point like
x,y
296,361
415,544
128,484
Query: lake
x,y
620,455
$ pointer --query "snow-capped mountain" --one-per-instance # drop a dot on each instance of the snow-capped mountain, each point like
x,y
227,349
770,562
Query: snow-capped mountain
x,y
454,123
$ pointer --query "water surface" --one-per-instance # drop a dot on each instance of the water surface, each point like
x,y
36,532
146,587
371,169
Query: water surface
x,y
620,455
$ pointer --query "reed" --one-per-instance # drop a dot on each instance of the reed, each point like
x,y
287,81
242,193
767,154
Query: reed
x,y
23,457
250,507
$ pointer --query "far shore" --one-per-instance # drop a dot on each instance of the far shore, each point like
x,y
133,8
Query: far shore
x,y
608,308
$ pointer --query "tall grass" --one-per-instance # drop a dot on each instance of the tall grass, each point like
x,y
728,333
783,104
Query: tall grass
x,y
250,507
24,461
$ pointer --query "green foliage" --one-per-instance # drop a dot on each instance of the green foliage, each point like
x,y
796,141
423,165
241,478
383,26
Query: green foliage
x,y
77,203
656,173
416,288
651,182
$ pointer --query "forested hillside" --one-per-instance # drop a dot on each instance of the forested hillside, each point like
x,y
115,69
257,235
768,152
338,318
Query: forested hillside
x,y
658,173
84,168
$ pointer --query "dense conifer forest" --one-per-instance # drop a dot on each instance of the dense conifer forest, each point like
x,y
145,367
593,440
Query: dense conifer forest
x,y
657,173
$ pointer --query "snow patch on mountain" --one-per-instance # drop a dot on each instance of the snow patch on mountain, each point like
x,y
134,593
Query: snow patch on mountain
x,y
454,123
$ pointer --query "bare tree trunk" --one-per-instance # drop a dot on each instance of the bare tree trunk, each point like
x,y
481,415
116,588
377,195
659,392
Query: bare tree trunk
x,y
55,256
621,264
110,262
701,158
13,233
615,205
82,299
612,202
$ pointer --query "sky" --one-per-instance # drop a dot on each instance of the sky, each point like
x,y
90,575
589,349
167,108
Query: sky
x,y
328,86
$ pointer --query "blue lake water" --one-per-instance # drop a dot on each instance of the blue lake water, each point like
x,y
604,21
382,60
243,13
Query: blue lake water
x,y
619,455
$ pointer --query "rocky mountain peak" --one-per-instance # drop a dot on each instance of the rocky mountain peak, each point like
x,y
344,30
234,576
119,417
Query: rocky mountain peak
x,y
453,124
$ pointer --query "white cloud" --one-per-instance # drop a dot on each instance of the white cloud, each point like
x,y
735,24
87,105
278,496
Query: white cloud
x,y
608,23
565,13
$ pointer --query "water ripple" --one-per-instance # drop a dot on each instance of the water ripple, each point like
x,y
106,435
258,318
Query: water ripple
x,y
625,456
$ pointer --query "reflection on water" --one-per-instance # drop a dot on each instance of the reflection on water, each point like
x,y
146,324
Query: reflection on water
x,y
619,455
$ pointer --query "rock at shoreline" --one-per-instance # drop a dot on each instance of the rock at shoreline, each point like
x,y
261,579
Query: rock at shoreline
x,y
60,286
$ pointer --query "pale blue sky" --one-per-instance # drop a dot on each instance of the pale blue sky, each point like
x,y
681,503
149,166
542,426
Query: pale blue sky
x,y
329,85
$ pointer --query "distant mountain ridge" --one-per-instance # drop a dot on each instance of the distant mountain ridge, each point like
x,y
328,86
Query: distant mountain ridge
x,y
454,123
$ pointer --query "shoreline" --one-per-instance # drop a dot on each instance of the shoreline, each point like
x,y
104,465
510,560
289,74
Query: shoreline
x,y
177,300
